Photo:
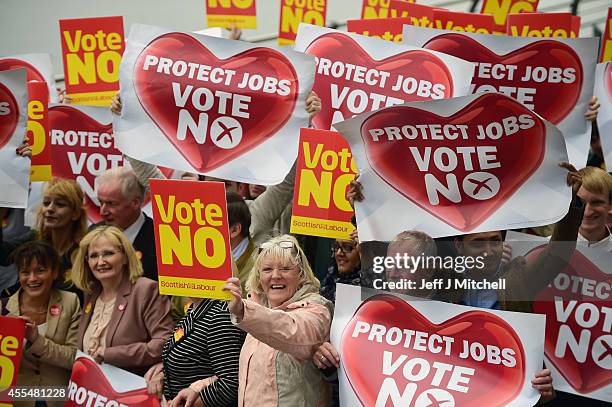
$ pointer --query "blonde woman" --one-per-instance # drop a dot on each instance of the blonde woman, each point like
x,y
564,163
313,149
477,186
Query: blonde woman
x,y
125,321
286,320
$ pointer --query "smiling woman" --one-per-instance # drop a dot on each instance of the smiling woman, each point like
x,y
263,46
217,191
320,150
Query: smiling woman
x,y
125,321
286,320
52,317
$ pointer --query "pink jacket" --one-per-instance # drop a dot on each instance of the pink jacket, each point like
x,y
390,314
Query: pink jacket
x,y
276,367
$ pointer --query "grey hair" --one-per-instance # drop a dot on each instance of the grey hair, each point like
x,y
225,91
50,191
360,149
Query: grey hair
x,y
413,242
130,186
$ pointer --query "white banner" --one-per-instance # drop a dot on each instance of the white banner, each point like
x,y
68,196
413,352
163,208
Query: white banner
x,y
411,353
38,66
578,309
228,109
603,91
454,166
552,76
14,170
357,74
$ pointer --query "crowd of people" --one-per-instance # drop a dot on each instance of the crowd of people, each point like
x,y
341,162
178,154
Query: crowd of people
x,y
93,289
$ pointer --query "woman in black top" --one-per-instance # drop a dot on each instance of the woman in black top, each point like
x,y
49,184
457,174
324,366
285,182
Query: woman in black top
x,y
200,359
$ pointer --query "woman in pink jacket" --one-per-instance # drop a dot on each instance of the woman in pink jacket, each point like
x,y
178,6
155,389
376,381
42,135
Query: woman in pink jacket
x,y
286,320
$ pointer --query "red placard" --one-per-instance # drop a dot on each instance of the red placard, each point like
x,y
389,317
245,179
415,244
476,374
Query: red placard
x,y
386,28
380,8
325,168
420,15
225,13
91,51
463,22
556,25
294,12
605,52
12,332
500,9
38,131
191,238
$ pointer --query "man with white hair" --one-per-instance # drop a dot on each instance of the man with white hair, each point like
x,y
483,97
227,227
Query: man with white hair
x,y
121,198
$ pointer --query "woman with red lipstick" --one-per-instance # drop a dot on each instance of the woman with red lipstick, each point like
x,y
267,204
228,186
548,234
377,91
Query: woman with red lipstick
x,y
52,317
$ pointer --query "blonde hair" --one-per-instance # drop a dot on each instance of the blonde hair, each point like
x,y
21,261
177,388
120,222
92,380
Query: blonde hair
x,y
82,275
597,181
70,191
294,256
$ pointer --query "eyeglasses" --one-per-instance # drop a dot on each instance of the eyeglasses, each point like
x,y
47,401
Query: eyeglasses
x,y
283,270
105,255
345,248
283,244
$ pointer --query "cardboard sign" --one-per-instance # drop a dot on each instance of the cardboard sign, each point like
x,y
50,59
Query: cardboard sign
x,y
379,9
105,385
14,170
357,74
228,109
38,67
227,13
83,148
554,78
325,168
12,333
294,12
38,131
578,309
463,165
408,353
463,22
500,9
421,15
192,238
603,92
547,25
91,51
389,29
605,53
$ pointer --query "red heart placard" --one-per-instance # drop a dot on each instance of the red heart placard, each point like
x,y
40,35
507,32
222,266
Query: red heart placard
x,y
491,384
420,65
67,118
519,155
553,101
32,73
9,114
87,374
588,375
268,111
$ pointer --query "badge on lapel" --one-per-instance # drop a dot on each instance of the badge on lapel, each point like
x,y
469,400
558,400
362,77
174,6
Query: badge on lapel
x,y
55,310
178,334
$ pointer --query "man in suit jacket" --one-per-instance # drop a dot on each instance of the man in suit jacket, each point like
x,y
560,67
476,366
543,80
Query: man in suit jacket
x,y
121,197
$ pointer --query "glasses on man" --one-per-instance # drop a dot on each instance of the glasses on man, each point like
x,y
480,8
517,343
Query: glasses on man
x,y
105,255
345,248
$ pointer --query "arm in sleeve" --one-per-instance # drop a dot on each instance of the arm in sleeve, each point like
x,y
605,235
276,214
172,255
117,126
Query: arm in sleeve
x,y
144,171
297,332
61,355
224,342
158,322
269,206
555,258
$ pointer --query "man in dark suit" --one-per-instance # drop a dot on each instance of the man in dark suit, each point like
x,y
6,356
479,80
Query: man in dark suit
x,y
121,197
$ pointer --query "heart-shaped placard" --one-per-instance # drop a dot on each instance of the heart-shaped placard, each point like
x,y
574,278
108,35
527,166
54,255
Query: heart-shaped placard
x,y
608,81
32,73
420,65
519,155
588,375
9,114
491,385
553,101
87,374
228,135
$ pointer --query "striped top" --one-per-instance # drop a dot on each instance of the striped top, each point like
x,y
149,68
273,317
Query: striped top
x,y
205,343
